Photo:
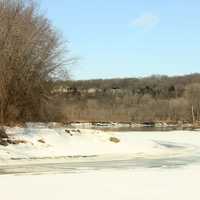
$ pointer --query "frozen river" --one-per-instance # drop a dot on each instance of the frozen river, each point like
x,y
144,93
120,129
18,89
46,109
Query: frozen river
x,y
142,166
81,167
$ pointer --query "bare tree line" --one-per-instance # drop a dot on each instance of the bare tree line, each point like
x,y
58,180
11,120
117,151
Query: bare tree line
x,y
155,98
32,59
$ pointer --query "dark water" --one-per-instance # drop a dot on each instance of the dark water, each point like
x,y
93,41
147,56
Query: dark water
x,y
143,129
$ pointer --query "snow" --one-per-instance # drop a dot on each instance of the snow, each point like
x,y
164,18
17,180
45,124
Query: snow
x,y
58,143
137,183
141,184
90,142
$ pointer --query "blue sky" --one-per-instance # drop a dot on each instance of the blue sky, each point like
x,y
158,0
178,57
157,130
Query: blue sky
x,y
128,38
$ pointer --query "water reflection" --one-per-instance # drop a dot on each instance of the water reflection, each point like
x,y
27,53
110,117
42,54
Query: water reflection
x,y
145,129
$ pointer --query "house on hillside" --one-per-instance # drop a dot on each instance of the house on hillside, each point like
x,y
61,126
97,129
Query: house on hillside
x,y
91,90
60,89
116,90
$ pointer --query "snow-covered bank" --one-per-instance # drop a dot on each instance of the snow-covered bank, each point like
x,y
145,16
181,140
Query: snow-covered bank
x,y
42,142
141,184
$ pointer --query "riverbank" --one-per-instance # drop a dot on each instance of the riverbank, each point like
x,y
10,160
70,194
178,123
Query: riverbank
x,y
39,143
108,124
150,124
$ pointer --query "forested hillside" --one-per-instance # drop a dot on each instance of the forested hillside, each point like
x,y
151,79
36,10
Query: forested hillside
x,y
154,98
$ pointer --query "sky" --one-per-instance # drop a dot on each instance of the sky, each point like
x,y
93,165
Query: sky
x,y
128,38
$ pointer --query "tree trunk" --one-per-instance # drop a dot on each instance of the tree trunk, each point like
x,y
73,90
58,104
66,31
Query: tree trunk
x,y
193,116
2,114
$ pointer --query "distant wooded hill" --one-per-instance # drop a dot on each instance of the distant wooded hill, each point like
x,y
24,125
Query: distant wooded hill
x,y
154,98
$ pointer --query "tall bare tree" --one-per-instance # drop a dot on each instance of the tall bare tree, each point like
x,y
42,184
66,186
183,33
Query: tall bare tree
x,y
192,94
31,54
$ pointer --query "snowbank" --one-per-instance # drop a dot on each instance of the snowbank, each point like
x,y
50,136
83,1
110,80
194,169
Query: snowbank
x,y
42,142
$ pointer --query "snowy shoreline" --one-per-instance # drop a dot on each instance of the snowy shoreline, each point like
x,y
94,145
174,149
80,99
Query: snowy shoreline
x,y
44,144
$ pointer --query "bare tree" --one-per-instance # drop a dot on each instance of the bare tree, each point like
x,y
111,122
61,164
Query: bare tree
x,y
192,94
31,54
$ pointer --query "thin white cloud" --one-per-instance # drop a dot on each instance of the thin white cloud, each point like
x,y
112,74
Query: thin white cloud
x,y
146,21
